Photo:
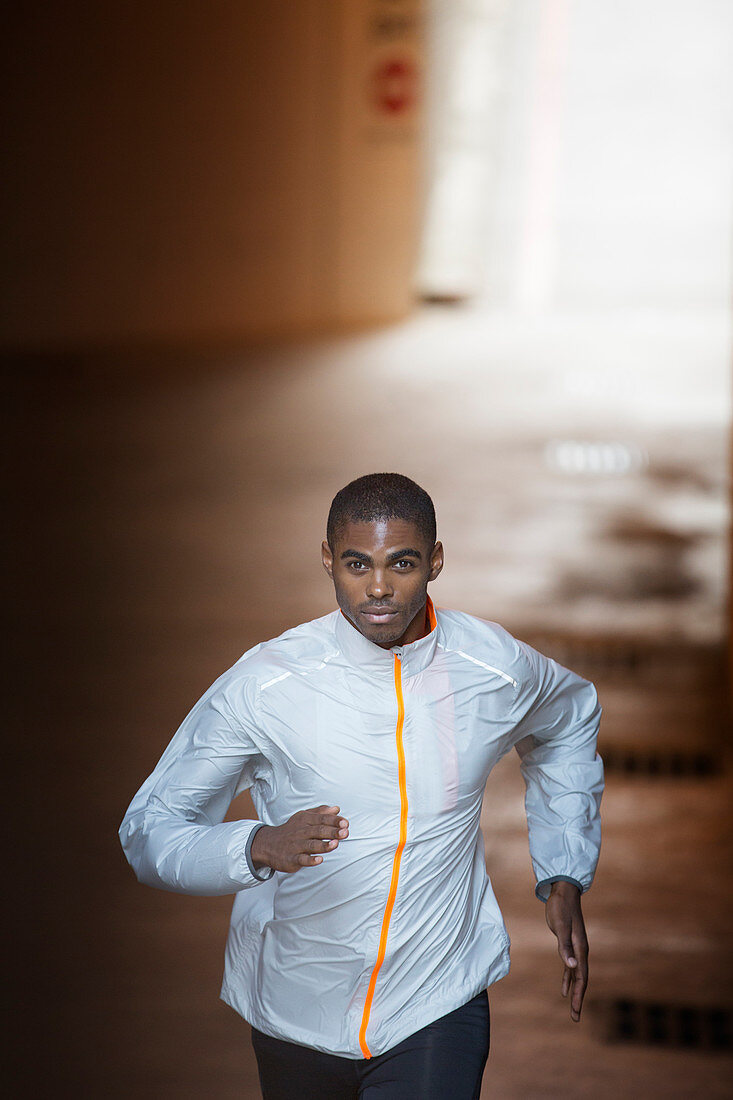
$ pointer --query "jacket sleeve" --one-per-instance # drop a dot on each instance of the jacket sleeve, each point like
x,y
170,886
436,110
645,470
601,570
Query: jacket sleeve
x,y
174,834
557,729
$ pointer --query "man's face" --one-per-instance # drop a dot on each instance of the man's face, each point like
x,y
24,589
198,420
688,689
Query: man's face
x,y
380,571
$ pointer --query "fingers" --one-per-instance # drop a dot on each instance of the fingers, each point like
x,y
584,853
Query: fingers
x,y
325,832
566,979
304,860
317,846
324,827
329,820
580,977
576,1000
312,834
565,947
575,982
575,973
325,812
309,854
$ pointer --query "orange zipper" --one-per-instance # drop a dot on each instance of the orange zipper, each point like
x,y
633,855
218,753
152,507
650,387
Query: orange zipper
x,y
395,863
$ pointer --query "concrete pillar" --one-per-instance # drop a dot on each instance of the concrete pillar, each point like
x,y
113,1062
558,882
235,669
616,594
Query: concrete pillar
x,y
209,171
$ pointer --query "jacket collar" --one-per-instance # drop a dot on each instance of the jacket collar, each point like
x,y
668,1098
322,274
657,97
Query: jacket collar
x,y
366,655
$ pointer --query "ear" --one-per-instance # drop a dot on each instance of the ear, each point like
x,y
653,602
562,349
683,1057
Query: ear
x,y
327,558
436,561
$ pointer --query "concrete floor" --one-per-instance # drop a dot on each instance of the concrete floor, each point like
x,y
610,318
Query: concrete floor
x,y
170,510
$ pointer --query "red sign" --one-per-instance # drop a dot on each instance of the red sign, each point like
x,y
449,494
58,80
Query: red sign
x,y
394,85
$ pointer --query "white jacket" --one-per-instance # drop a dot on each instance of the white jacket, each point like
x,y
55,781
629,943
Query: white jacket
x,y
399,925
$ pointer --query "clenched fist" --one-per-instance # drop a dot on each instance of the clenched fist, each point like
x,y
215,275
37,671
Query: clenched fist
x,y
301,840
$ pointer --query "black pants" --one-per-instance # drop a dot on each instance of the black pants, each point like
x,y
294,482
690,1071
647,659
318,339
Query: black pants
x,y
443,1061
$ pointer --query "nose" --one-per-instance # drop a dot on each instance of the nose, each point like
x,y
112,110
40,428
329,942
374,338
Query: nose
x,y
379,585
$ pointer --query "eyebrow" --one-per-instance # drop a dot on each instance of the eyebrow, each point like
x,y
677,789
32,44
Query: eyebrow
x,y
397,555
406,553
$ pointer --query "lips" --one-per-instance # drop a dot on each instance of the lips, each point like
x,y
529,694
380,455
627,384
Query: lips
x,y
379,614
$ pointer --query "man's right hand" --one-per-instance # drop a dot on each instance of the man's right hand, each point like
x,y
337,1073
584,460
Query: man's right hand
x,y
301,840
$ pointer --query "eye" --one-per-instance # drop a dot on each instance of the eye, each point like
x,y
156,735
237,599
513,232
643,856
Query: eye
x,y
404,564
355,566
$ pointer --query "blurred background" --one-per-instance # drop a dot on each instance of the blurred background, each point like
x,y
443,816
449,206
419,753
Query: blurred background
x,y
252,251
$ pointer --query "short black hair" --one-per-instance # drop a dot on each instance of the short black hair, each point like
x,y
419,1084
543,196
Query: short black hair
x,y
382,496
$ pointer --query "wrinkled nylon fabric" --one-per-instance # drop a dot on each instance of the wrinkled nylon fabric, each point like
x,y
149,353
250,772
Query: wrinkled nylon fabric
x,y
310,718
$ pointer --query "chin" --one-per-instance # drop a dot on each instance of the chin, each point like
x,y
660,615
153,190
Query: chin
x,y
383,637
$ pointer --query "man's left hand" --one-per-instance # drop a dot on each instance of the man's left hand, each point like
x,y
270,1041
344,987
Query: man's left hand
x,y
565,919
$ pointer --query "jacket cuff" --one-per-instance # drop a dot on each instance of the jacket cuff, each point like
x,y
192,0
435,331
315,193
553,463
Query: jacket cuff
x,y
257,872
542,889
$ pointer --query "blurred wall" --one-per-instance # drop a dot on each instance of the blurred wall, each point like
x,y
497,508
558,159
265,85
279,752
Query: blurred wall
x,y
208,170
